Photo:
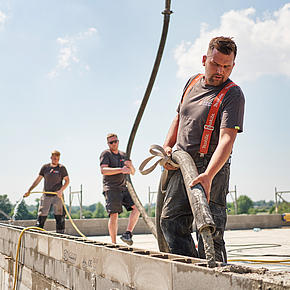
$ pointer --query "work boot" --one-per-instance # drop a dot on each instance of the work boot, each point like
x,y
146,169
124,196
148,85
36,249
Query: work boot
x,y
127,238
40,221
60,223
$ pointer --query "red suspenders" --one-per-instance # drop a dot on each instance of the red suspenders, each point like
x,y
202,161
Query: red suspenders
x,y
209,125
192,83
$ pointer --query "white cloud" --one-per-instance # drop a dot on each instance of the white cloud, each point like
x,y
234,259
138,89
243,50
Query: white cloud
x,y
68,52
263,44
3,18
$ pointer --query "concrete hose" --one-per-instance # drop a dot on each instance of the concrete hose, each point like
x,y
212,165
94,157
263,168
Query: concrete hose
x,y
196,195
140,207
198,203
141,110
158,151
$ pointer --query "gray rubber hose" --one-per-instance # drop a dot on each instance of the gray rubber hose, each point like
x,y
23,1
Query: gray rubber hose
x,y
198,203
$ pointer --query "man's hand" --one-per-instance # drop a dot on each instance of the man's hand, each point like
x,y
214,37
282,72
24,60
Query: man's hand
x,y
168,151
126,170
26,194
205,181
128,163
59,193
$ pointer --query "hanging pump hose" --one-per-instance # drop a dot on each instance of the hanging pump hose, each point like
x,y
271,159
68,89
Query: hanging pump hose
x,y
131,189
196,196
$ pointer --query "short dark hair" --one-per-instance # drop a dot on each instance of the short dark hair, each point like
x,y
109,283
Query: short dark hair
x,y
225,45
111,135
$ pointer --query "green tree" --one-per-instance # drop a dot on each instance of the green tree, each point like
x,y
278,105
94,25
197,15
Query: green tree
x,y
253,210
87,214
92,207
23,213
75,215
100,211
124,214
5,206
244,204
283,207
230,208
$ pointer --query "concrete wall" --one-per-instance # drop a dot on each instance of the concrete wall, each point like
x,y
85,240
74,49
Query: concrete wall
x,y
52,261
98,227
242,222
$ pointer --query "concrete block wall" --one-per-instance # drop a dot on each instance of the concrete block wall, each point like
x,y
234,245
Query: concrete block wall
x,y
52,261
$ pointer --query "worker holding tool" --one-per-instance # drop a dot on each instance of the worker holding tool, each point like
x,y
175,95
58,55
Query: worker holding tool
x,y
209,116
53,173
114,167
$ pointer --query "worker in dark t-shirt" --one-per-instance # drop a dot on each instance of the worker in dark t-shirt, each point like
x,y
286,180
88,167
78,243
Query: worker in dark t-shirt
x,y
53,173
114,167
209,143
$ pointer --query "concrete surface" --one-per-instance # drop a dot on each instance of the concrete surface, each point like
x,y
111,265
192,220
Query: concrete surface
x,y
52,261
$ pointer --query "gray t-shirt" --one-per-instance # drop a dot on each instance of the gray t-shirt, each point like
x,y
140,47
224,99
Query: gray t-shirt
x,y
193,111
116,181
53,176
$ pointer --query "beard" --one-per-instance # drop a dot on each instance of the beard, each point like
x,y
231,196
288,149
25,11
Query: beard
x,y
215,80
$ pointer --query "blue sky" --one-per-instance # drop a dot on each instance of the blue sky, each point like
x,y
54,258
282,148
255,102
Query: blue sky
x,y
72,71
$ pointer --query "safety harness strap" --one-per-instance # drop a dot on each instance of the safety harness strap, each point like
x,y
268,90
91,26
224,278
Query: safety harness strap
x,y
209,125
192,83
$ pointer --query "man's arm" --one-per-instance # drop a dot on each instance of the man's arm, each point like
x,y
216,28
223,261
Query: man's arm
x,y
34,184
129,164
171,136
65,185
171,140
222,153
106,170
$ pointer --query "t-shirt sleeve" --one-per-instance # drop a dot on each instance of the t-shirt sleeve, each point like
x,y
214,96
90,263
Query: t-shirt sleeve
x,y
41,172
104,158
184,90
233,110
124,155
63,172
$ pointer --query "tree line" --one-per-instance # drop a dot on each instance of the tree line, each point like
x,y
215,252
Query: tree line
x,y
26,212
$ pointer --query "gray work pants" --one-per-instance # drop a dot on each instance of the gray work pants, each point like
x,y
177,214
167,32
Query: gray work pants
x,y
46,201
176,217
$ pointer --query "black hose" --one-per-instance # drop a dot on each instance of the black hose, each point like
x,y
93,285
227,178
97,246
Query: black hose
x,y
133,194
166,19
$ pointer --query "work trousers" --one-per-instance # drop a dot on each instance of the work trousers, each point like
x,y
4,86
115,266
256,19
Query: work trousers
x,y
177,219
45,204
